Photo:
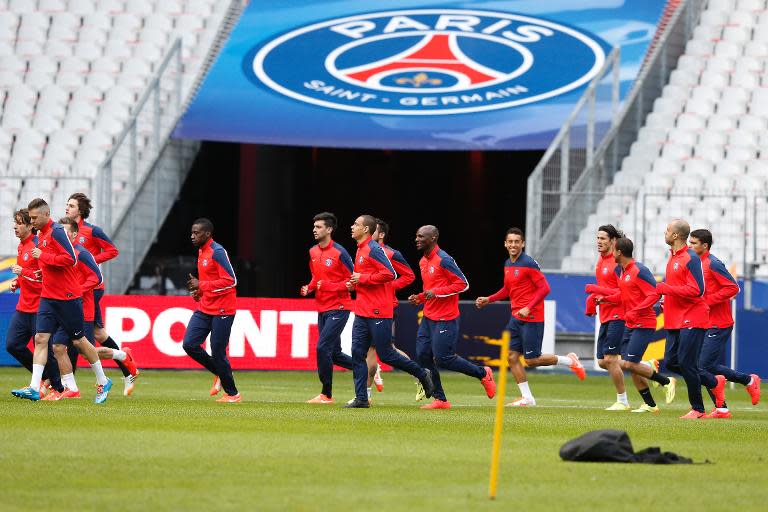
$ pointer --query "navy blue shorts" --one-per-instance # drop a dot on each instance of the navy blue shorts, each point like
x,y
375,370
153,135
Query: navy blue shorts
x,y
67,314
97,319
60,337
525,337
714,347
610,338
635,343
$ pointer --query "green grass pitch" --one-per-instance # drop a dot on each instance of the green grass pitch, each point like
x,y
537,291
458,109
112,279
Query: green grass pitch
x,y
169,447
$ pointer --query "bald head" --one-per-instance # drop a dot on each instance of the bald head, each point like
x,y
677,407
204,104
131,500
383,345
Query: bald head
x,y
676,235
426,238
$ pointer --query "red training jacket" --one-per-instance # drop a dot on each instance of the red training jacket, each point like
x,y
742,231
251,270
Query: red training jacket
x,y
332,265
684,305
97,243
606,273
374,298
524,285
58,261
636,296
29,285
405,275
217,280
440,274
721,288
90,279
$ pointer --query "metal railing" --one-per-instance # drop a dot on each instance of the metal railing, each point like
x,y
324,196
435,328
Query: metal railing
x,y
554,213
140,143
643,215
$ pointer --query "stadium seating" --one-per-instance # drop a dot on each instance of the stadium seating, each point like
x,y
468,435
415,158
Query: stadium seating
x,y
703,151
70,73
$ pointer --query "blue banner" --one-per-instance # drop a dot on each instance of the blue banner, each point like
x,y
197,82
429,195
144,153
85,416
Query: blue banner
x,y
480,75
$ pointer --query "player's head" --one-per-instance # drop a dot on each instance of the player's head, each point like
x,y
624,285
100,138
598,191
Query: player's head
x,y
363,227
606,237
78,206
202,230
677,232
426,237
22,225
71,227
514,242
623,249
324,224
39,213
382,232
700,241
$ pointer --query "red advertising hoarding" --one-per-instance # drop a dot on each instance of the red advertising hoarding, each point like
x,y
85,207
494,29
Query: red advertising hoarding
x,y
267,334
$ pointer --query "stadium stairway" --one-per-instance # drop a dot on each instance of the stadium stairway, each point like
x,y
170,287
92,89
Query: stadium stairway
x,y
72,75
702,153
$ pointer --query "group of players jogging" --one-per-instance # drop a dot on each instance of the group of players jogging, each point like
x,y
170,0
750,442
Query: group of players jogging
x,y
61,285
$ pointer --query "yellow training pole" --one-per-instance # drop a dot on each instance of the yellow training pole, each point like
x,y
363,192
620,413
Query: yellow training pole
x,y
499,422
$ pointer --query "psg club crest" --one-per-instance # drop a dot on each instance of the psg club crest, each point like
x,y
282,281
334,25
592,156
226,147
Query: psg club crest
x,y
627,278
360,259
421,62
676,265
26,256
329,262
45,243
517,272
605,270
431,269
82,239
205,263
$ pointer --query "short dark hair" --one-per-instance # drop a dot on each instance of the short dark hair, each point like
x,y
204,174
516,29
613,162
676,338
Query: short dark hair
x,y
516,231
327,217
204,223
611,231
702,235
72,223
22,217
83,204
624,245
38,202
369,221
383,227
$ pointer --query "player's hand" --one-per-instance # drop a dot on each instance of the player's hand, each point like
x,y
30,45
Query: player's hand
x,y
524,313
14,285
196,295
481,302
38,274
350,286
354,278
16,269
193,283
414,299
429,295
631,317
304,291
36,252
599,299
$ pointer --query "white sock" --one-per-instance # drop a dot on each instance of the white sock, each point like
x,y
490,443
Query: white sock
x,y
722,409
118,355
564,361
369,394
751,381
622,398
37,376
69,382
526,391
101,379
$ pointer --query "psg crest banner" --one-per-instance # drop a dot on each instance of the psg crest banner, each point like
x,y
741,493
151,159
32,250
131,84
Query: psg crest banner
x,y
472,75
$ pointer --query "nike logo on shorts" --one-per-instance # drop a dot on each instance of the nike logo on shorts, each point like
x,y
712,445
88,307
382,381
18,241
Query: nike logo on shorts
x,y
611,348
529,352
711,335
441,332
79,334
334,318
377,323
630,355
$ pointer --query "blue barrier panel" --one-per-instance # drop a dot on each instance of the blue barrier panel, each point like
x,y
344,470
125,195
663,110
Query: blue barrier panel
x,y
752,344
7,307
480,75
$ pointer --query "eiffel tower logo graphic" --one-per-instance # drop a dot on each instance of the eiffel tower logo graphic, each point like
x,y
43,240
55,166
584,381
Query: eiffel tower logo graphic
x,y
434,53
